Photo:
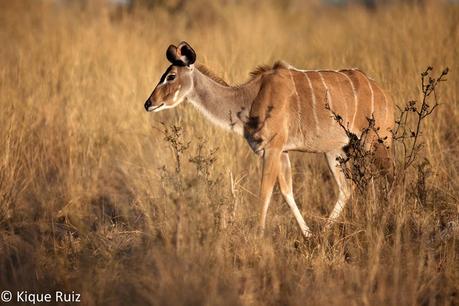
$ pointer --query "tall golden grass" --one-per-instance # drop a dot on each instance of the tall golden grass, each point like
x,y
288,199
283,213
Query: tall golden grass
x,y
92,202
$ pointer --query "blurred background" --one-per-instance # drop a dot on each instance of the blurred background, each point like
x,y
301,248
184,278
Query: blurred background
x,y
127,207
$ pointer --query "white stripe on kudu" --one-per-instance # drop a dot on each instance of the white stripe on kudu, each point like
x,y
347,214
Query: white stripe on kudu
x,y
329,100
267,97
372,96
313,98
294,86
355,98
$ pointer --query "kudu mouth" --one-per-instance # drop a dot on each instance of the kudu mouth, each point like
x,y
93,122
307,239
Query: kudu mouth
x,y
150,108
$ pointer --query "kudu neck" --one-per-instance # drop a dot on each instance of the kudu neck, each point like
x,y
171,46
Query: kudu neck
x,y
224,105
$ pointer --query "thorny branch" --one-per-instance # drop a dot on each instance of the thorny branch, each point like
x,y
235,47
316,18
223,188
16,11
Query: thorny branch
x,y
402,133
359,163
173,134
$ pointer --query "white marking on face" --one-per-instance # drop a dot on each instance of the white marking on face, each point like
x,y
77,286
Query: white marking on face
x,y
166,80
164,83
162,106
156,108
176,94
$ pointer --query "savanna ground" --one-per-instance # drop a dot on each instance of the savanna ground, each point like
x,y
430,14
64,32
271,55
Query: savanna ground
x,y
93,200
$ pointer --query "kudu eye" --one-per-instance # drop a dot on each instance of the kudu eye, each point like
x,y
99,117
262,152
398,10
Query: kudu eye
x,y
170,77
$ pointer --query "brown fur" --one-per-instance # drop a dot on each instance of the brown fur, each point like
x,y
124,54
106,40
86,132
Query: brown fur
x,y
291,113
262,69
211,74
280,109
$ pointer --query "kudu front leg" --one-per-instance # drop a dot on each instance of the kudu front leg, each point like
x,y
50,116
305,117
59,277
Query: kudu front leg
x,y
285,183
271,165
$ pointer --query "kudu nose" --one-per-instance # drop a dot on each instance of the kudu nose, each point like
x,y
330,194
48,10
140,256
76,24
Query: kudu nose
x,y
147,104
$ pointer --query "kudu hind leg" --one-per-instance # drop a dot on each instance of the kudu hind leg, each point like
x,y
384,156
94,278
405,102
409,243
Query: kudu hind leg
x,y
285,183
344,185
271,165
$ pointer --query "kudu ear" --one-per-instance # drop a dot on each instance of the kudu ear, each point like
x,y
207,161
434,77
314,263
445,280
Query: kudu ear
x,y
171,54
186,53
183,55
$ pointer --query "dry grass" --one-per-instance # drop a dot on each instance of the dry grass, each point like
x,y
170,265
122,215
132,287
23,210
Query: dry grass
x,y
91,200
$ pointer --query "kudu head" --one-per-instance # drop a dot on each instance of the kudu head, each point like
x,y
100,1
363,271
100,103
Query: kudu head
x,y
177,82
